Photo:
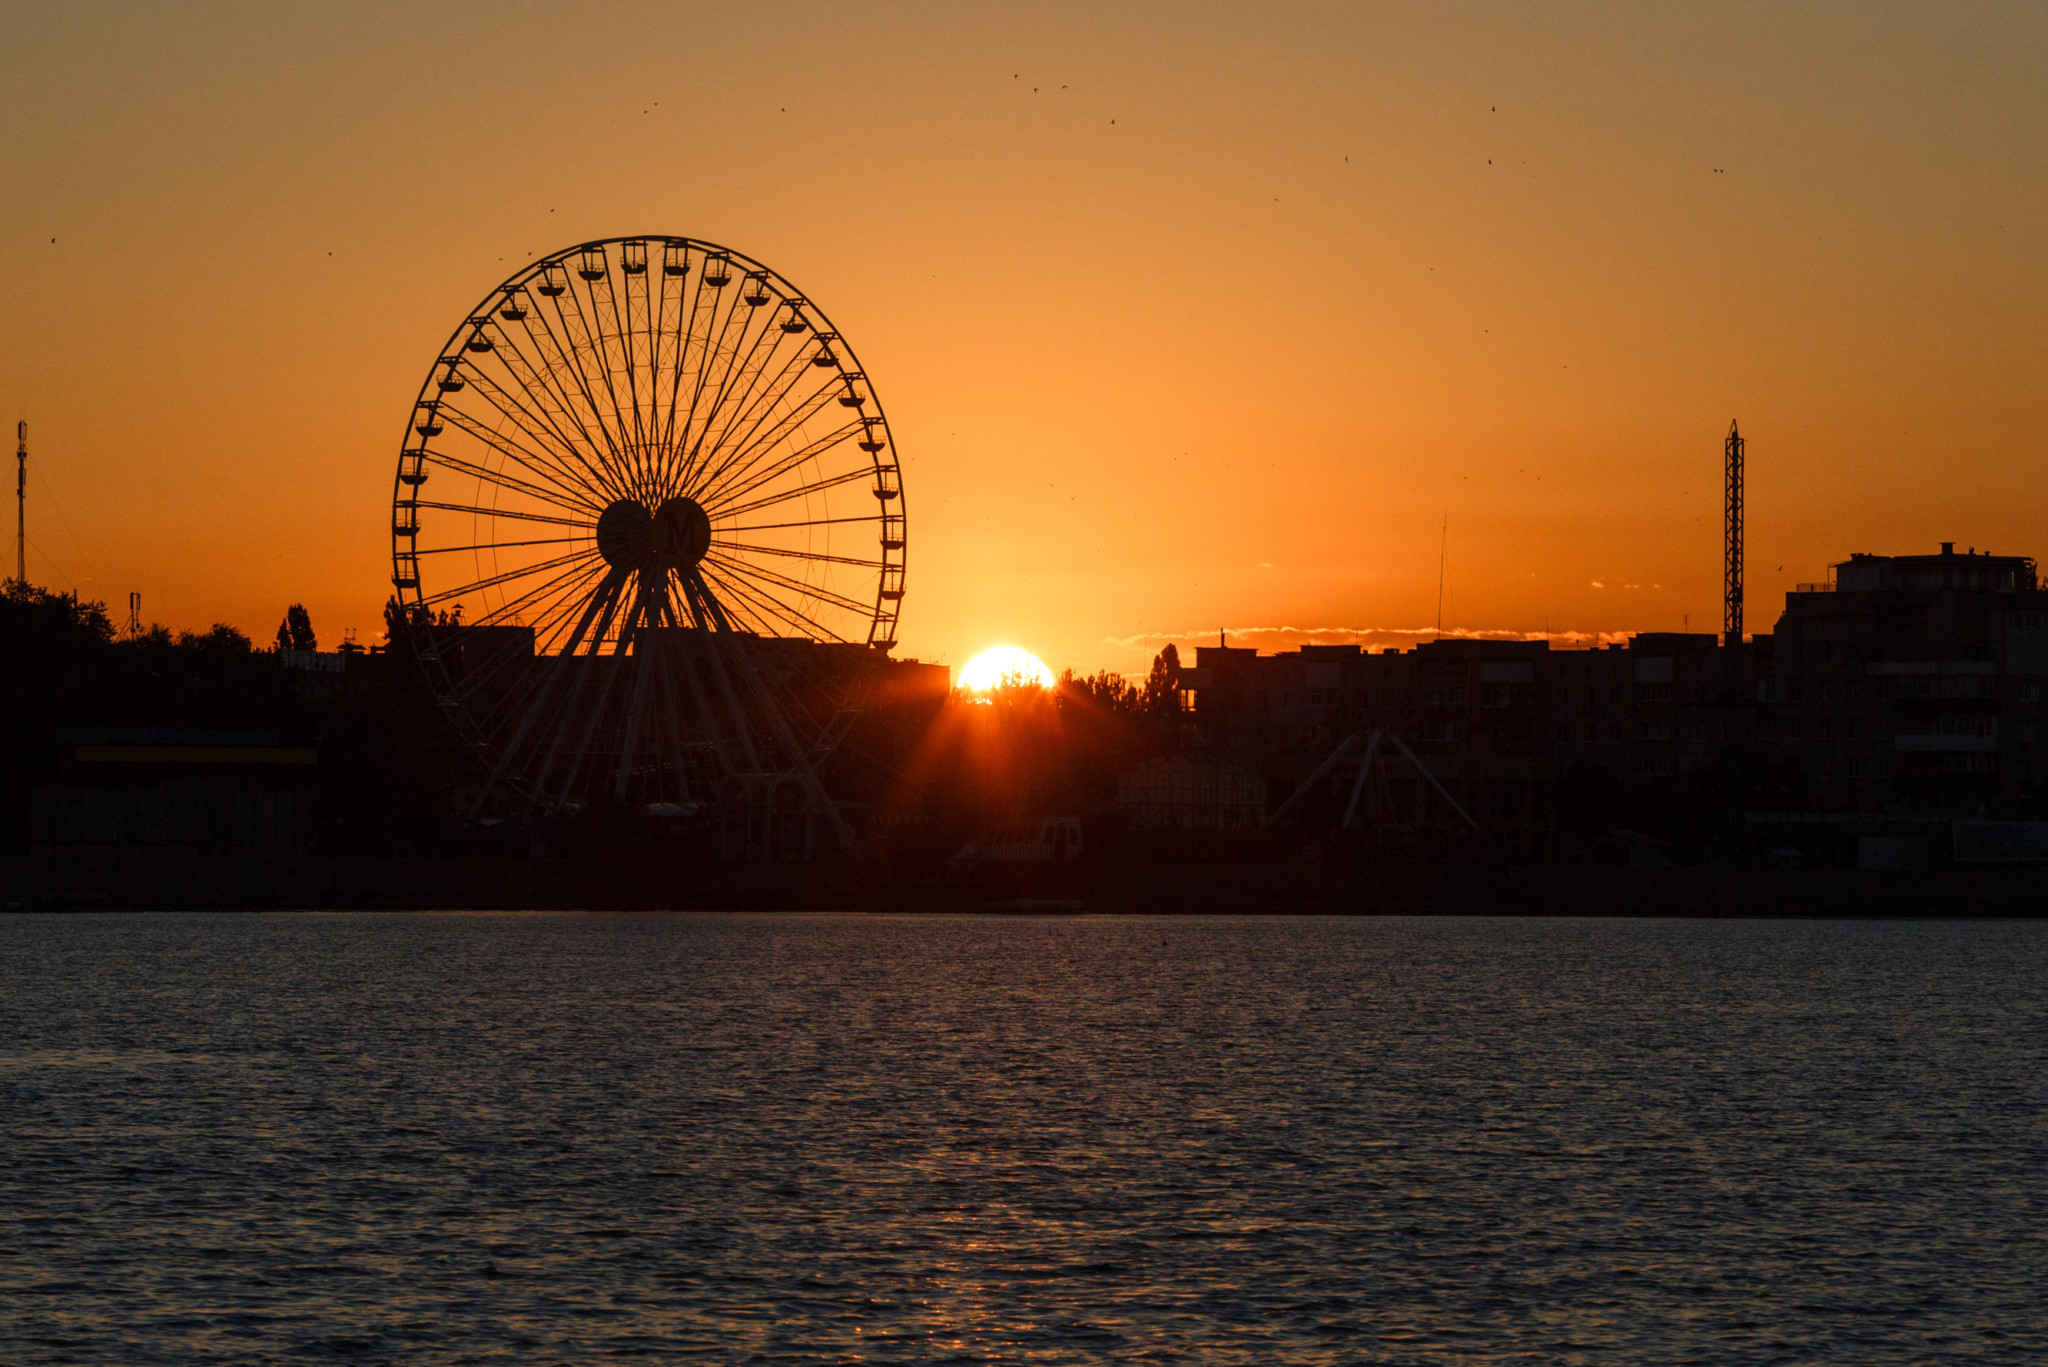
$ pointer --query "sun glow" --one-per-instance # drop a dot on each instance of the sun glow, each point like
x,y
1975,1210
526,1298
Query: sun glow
x,y
1004,664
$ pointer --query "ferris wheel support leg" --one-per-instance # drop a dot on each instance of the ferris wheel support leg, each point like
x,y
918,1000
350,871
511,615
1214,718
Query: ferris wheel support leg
x,y
668,719
581,751
546,693
643,638
707,611
560,673
799,765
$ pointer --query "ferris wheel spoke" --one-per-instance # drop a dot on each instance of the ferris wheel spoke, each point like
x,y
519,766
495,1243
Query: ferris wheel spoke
x,y
536,376
776,412
761,575
737,605
559,489
599,604
765,606
643,366
720,364
626,405
550,447
645,647
492,581
672,342
685,340
622,321
525,402
560,614
714,650
552,497
731,547
761,579
565,581
737,477
736,386
621,663
572,708
668,714
808,522
654,313
594,343
783,496
521,716
557,376
692,433
546,603
517,515
506,545
796,759
745,483
769,421
553,619
573,370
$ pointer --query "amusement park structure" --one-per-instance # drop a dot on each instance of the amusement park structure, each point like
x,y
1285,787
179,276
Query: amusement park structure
x,y
648,538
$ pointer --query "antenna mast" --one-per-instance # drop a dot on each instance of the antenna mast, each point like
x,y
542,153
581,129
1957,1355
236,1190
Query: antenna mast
x,y
1731,570
21,500
1443,558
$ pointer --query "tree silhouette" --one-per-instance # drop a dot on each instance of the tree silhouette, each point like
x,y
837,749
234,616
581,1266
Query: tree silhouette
x,y
1161,697
300,628
1104,691
51,620
219,639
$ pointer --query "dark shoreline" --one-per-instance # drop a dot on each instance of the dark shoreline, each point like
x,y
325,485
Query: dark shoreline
x,y
646,883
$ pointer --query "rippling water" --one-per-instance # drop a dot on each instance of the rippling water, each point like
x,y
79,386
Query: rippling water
x,y
440,1139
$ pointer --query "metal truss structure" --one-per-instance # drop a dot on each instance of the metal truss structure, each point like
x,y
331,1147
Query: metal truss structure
x,y
647,524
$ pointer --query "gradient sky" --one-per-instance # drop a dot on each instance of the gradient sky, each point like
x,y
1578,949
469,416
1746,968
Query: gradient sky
x,y
1185,316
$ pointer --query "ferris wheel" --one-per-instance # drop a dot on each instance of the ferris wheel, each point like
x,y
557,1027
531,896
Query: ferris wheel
x,y
647,526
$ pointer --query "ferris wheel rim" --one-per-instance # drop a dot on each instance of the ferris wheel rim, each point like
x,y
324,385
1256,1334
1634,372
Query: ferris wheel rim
x,y
408,586
610,534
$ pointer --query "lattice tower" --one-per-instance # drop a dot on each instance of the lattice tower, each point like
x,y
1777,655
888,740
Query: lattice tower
x,y
1731,582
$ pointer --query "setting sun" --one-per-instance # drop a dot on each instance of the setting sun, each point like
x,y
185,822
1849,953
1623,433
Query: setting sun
x,y
1002,664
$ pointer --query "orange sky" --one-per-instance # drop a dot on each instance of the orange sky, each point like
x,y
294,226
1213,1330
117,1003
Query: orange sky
x,y
1185,316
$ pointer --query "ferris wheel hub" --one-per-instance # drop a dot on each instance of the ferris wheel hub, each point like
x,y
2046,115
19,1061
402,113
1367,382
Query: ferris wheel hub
x,y
682,532
625,534
674,536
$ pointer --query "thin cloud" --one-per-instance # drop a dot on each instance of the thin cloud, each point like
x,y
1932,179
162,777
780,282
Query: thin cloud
x,y
1598,583
1271,638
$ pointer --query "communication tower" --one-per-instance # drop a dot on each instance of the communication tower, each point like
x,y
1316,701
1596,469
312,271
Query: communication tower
x,y
134,615
21,500
1731,590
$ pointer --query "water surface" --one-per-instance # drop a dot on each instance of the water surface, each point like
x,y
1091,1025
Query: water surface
x,y
562,1138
